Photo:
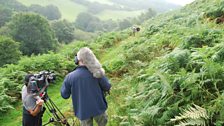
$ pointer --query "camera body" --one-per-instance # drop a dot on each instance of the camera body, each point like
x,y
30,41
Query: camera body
x,y
39,82
44,76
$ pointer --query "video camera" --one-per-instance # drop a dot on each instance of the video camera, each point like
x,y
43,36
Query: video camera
x,y
38,83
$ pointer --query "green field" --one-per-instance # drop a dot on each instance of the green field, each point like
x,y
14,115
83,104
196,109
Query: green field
x,y
68,9
109,14
102,1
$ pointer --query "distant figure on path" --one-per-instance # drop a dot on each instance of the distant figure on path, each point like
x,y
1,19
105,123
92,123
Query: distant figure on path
x,y
135,29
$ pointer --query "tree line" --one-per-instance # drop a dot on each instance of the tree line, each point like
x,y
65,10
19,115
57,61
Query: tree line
x,y
36,30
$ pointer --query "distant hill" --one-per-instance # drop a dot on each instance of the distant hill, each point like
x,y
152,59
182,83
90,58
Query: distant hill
x,y
104,9
157,5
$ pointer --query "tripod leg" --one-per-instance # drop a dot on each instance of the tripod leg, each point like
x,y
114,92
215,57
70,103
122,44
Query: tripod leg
x,y
46,123
53,104
49,107
53,109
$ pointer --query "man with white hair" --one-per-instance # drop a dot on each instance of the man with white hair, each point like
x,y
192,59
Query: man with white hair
x,y
87,85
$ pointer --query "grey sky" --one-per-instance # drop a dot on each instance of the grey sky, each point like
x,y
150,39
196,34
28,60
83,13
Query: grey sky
x,y
180,2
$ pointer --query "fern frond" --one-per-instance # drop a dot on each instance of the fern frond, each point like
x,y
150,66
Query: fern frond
x,y
195,115
192,122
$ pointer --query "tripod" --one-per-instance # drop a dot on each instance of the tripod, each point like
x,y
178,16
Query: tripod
x,y
57,117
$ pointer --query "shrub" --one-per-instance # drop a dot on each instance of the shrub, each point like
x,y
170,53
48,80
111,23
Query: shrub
x,y
5,15
204,38
64,31
9,51
175,60
7,86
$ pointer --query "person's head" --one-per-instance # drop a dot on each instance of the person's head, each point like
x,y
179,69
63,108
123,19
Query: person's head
x,y
78,61
87,58
27,79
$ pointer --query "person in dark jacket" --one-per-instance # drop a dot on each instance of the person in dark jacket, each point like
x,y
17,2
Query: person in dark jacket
x,y
87,84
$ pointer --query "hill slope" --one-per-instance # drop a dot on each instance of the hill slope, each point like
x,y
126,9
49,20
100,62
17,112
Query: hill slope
x,y
117,10
174,65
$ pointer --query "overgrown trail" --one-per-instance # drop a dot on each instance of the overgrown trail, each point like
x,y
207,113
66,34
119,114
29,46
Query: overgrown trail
x,y
119,91
116,49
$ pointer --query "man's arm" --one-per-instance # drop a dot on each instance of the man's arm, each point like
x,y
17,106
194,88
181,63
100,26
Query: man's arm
x,y
66,89
104,84
38,107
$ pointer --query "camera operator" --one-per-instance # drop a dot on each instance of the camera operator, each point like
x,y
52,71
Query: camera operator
x,y
32,105
87,85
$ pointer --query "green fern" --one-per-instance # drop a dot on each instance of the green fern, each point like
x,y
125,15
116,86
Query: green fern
x,y
195,115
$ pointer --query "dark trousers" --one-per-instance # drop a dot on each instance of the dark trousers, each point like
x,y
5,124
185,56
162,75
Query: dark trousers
x,y
29,120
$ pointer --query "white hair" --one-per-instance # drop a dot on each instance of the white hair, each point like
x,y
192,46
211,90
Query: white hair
x,y
91,62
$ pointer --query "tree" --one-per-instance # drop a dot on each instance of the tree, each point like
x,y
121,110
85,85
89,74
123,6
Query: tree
x,y
64,31
9,51
147,15
5,15
124,24
94,26
51,12
13,4
109,25
88,22
33,32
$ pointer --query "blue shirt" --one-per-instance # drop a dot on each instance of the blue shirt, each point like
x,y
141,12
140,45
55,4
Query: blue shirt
x,y
87,92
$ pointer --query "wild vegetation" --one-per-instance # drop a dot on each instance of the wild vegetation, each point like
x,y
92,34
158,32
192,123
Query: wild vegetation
x,y
171,73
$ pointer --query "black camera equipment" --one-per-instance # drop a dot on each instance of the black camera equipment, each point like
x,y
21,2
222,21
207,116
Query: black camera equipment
x,y
37,86
38,83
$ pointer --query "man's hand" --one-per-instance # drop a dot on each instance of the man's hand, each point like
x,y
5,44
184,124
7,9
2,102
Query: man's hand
x,y
38,107
39,102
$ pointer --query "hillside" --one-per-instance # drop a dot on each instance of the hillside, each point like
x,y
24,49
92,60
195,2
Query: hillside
x,y
68,9
172,67
102,8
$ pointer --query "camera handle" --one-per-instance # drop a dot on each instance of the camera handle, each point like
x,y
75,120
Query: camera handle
x,y
60,118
